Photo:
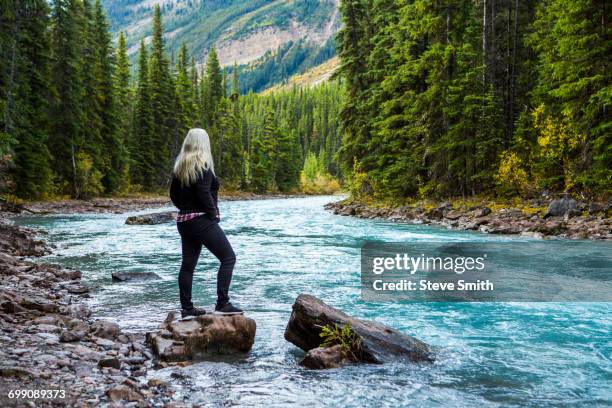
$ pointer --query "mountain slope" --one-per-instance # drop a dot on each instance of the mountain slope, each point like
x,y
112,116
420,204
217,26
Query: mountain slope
x,y
251,33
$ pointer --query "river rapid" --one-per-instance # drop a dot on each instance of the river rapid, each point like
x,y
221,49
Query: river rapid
x,y
488,354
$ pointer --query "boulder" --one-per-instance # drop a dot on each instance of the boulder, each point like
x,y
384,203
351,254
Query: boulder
x,y
105,329
563,207
123,392
324,357
151,219
379,343
202,337
482,212
134,276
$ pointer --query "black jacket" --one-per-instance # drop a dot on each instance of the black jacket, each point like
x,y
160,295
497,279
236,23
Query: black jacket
x,y
201,196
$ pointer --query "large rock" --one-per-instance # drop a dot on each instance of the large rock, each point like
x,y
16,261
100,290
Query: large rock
x,y
380,343
151,219
562,207
324,357
134,276
202,337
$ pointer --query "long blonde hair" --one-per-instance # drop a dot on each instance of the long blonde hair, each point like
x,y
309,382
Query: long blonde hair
x,y
195,156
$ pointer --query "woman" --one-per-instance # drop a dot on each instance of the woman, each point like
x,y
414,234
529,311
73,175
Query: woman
x,y
194,192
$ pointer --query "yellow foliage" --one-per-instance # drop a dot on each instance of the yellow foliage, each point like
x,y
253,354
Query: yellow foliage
x,y
511,176
321,184
559,141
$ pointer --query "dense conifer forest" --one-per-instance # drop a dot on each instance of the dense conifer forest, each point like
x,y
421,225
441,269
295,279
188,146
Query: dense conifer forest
x,y
461,97
76,123
433,99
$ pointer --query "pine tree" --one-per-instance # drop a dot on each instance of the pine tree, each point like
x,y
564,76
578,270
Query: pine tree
x,y
141,147
124,104
162,103
113,150
31,94
67,110
213,88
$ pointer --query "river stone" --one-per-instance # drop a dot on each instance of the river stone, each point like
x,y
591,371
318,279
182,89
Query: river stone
x,y
380,343
134,276
151,219
324,357
562,207
105,329
202,337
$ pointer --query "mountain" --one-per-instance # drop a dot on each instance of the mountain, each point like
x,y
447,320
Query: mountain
x,y
269,39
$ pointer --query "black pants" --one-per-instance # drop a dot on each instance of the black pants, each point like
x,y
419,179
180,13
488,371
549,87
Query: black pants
x,y
195,233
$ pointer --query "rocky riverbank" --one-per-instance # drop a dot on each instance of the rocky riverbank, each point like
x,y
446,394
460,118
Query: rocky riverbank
x,y
51,341
117,205
564,218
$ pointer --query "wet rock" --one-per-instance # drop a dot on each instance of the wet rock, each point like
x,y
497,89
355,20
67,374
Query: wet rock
x,y
324,357
380,343
78,310
14,371
203,336
151,219
12,307
124,392
110,362
134,276
70,336
105,329
77,289
563,207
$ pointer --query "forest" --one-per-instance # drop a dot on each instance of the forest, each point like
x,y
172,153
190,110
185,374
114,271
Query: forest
x,y
455,98
432,99
76,122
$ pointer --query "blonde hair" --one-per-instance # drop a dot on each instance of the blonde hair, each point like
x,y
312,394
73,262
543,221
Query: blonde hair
x,y
195,156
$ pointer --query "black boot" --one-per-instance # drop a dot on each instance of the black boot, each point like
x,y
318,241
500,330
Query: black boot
x,y
227,309
195,311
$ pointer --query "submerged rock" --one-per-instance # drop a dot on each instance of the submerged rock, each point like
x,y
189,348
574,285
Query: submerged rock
x,y
202,336
379,343
151,219
134,276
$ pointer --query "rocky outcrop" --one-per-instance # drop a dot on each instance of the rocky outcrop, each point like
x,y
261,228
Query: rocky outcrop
x,y
379,343
134,276
202,337
152,219
570,224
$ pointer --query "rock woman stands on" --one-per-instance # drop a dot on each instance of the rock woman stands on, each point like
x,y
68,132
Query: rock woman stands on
x,y
194,192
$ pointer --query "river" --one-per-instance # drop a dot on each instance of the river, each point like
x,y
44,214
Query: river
x,y
488,354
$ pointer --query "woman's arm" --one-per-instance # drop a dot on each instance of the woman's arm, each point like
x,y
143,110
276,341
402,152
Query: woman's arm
x,y
204,195
175,192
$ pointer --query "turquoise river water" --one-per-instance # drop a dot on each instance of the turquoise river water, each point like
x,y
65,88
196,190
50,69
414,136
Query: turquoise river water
x,y
488,354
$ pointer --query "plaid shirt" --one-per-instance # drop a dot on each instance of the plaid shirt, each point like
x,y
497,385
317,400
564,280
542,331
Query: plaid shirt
x,y
187,217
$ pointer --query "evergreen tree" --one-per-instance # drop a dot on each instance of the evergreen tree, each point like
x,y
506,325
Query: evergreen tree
x,y
141,147
213,88
124,104
575,132
66,136
164,133
31,92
